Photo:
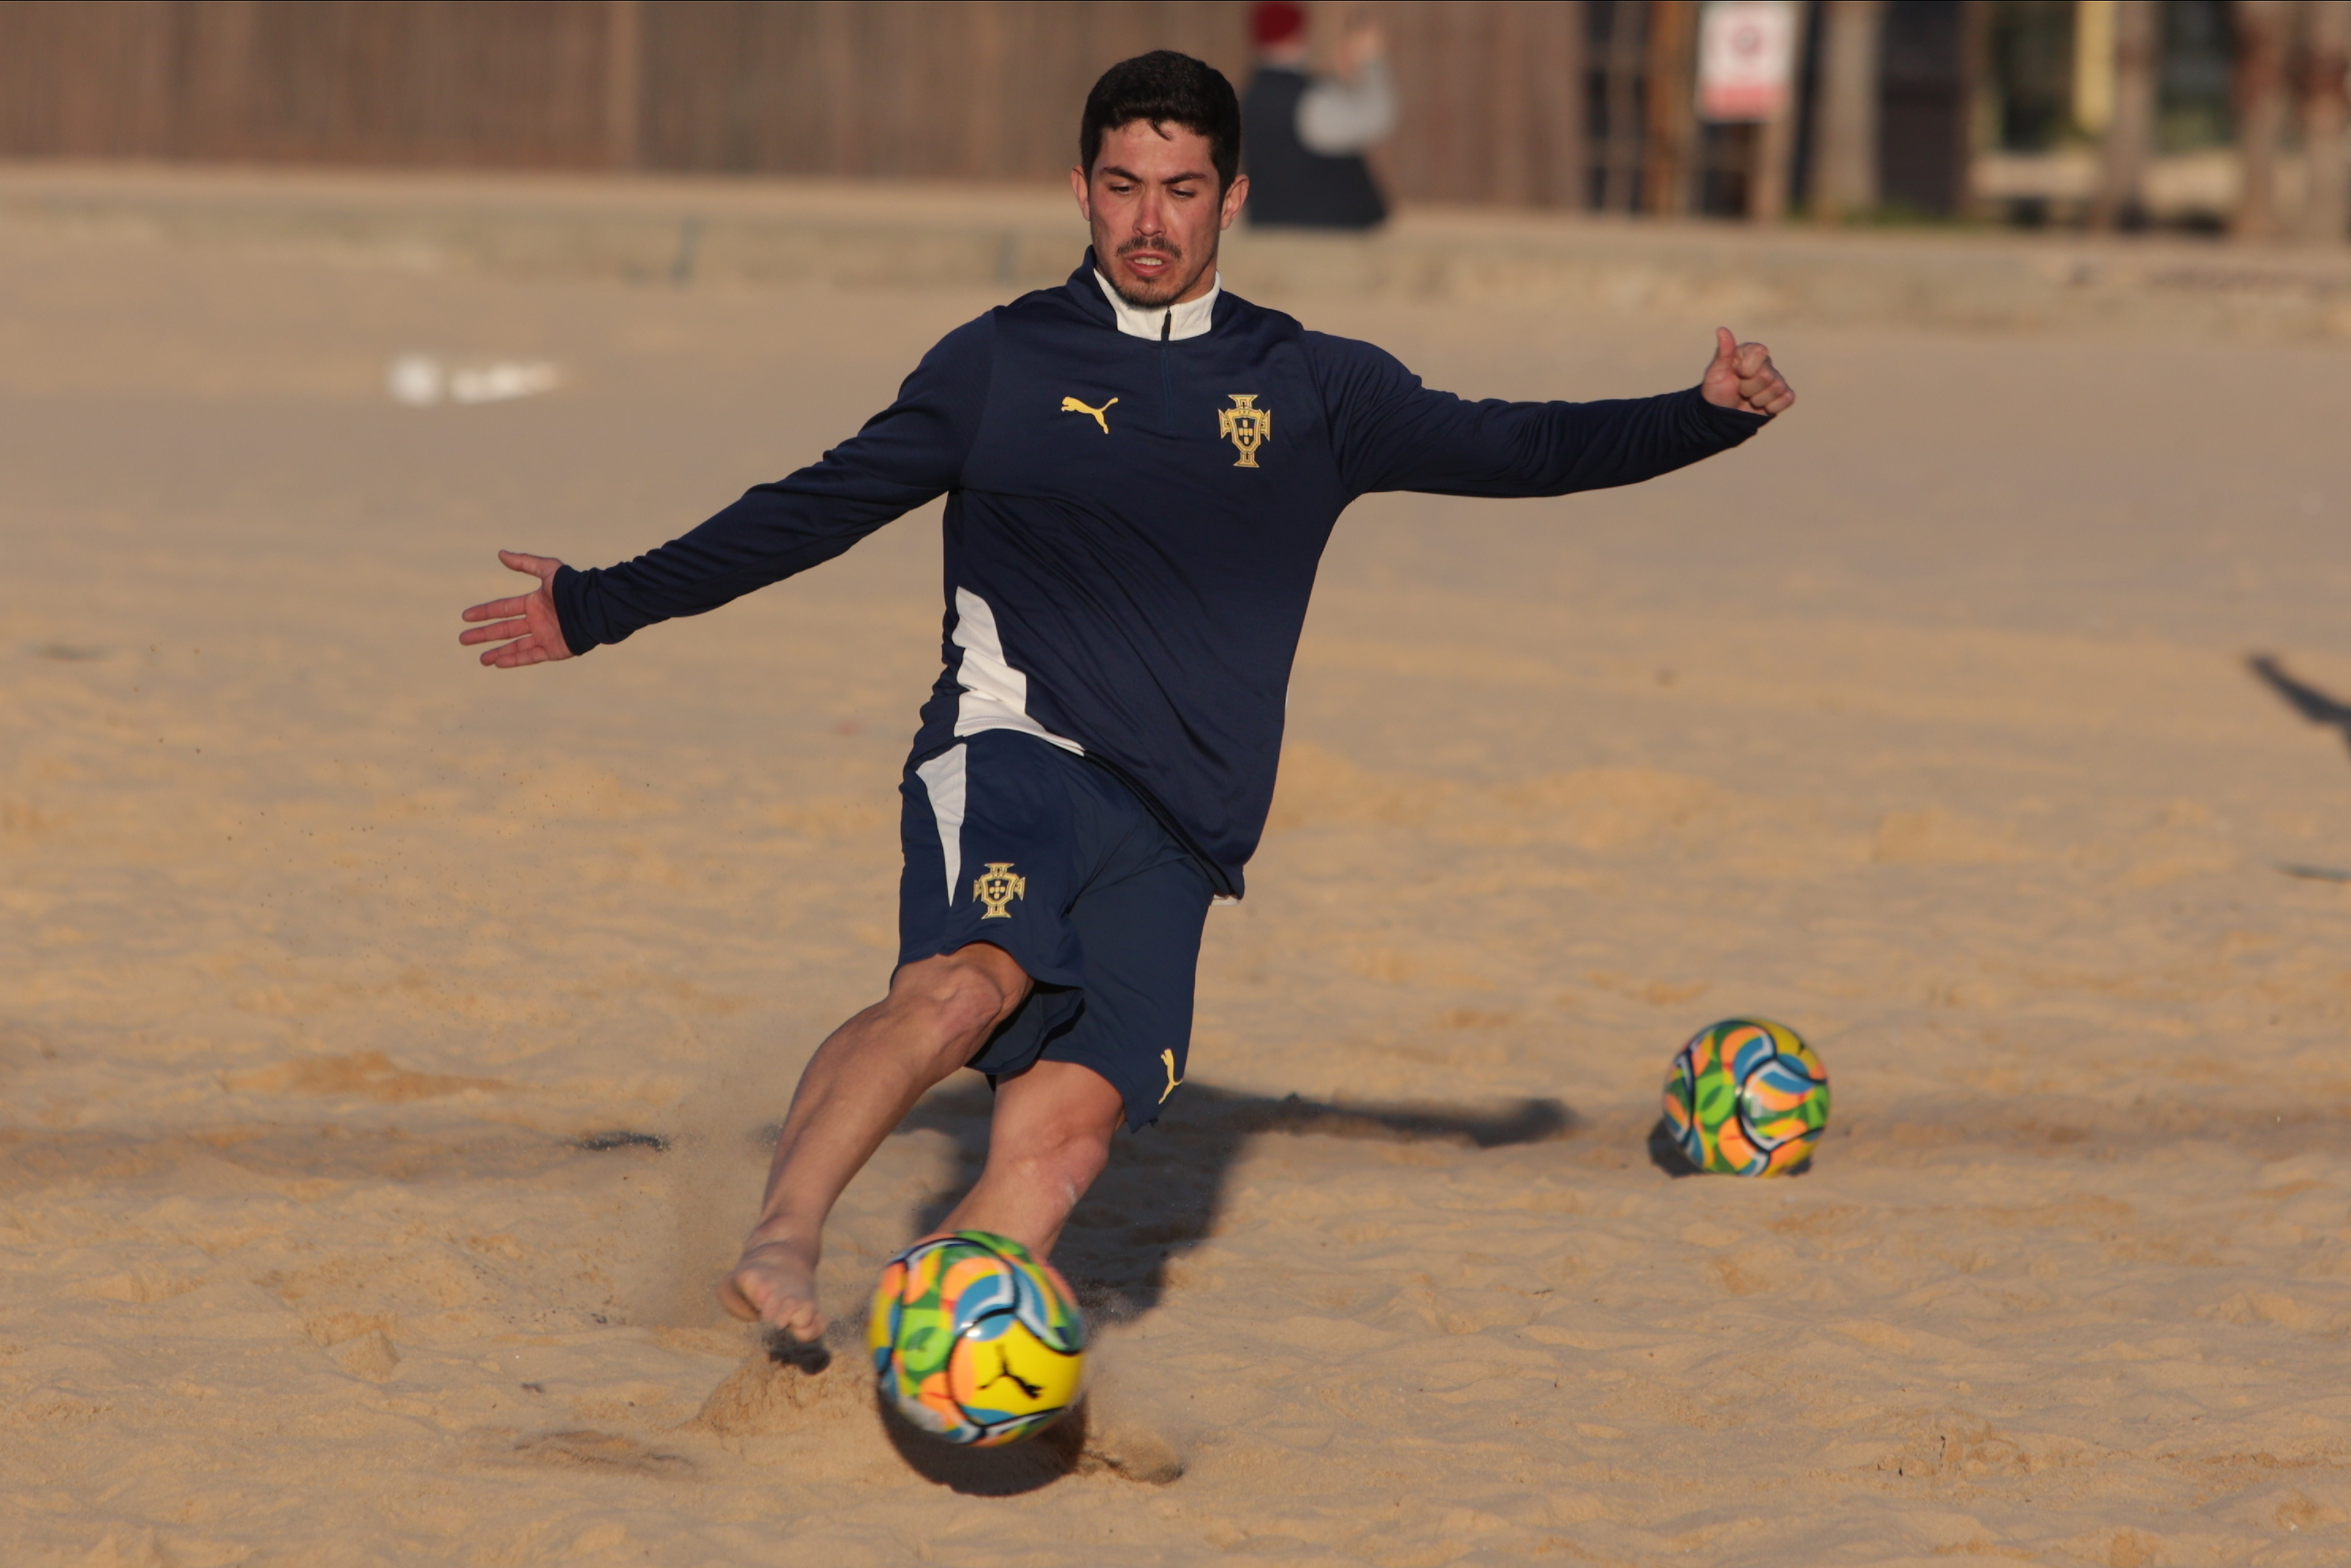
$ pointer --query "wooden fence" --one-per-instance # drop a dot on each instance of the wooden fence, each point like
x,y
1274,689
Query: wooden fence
x,y
513,82
1492,90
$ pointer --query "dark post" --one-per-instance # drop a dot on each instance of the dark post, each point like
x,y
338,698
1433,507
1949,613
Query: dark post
x,y
2130,136
2327,209
2261,27
1669,146
1556,56
624,81
1775,139
1844,148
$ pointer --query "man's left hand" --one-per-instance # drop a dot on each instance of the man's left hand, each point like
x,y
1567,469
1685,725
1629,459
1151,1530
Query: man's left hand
x,y
525,628
1744,377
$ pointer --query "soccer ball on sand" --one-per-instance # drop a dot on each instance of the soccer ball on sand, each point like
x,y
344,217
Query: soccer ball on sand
x,y
1746,1098
976,1341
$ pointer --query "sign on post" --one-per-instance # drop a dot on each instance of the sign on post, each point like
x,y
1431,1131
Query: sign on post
x,y
1746,59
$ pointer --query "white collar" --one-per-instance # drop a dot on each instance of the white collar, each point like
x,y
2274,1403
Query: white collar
x,y
1170,323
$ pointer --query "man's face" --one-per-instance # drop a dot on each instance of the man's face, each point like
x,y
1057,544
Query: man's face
x,y
1152,205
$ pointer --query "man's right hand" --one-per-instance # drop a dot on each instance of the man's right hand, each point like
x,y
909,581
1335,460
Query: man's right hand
x,y
525,627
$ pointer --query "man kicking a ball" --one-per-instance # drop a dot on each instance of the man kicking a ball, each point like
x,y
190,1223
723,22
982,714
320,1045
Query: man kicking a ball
x,y
1141,473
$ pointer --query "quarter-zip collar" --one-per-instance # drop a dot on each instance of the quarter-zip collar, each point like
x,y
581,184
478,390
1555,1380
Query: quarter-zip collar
x,y
1165,323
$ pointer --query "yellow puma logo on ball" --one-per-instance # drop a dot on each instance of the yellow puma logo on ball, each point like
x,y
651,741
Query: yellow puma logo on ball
x,y
1072,405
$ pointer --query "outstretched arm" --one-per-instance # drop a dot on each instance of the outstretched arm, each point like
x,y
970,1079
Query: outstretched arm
x,y
1394,434
905,455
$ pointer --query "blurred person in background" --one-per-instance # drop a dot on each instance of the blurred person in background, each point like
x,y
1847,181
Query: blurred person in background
x,y
1306,135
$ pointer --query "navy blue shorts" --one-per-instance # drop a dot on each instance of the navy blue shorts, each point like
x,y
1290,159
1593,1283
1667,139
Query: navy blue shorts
x,y
1012,840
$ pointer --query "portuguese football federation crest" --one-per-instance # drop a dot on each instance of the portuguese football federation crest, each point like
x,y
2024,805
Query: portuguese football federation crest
x,y
1246,425
997,887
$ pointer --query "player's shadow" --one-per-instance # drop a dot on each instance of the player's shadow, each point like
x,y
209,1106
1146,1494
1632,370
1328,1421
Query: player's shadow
x,y
1164,1190
2299,695
1160,1196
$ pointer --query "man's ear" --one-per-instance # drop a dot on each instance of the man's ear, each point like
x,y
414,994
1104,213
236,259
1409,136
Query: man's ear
x,y
1085,197
1235,195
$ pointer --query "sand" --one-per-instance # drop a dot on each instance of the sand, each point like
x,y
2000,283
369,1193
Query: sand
x,y
1924,724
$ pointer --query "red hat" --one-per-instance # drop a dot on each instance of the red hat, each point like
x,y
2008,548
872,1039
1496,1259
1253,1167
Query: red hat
x,y
1277,22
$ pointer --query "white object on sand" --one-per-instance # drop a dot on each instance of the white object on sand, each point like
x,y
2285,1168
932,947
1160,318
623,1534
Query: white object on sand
x,y
420,381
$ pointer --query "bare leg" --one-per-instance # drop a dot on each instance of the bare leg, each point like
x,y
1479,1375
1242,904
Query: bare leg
x,y
1049,1139
859,1083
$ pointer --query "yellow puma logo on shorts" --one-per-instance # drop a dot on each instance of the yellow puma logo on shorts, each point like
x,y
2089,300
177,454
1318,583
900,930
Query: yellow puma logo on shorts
x,y
1167,1059
1072,405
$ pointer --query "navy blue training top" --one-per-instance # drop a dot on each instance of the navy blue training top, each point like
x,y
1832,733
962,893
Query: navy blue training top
x,y
1127,569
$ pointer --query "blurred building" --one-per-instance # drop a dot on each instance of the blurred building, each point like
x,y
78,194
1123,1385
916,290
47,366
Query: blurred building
x,y
2120,112
2050,99
962,90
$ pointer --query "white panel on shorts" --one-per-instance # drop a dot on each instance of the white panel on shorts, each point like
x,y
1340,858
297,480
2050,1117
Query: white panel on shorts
x,y
943,780
995,694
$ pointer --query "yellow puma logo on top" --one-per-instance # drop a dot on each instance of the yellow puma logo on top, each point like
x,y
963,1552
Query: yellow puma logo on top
x,y
1072,405
1168,1058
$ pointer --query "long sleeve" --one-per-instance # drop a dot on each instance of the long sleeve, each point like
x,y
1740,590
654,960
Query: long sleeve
x,y
906,455
1394,434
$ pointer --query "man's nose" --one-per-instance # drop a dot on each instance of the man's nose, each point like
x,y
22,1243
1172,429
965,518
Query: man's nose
x,y
1150,214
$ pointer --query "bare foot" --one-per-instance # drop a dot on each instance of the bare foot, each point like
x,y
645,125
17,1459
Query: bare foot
x,y
775,1283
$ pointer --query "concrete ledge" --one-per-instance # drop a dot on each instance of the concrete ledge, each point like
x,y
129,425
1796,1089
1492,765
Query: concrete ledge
x,y
687,232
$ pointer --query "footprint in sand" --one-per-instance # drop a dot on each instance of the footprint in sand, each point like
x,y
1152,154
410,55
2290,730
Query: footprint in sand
x,y
584,1448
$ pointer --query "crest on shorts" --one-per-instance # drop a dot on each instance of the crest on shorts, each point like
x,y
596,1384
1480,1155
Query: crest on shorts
x,y
997,887
1246,425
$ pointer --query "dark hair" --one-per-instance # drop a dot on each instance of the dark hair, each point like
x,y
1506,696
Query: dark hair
x,y
1165,87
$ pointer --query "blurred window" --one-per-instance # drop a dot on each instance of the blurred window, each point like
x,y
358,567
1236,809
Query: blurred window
x,y
2192,83
1923,109
1615,99
2031,60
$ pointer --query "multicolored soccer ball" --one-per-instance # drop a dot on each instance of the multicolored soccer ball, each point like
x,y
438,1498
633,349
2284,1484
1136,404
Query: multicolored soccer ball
x,y
976,1341
1746,1098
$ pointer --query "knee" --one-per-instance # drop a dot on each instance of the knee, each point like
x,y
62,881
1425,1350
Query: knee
x,y
1065,1154
960,1004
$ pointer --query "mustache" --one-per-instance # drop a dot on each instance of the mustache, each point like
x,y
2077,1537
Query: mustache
x,y
1168,248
